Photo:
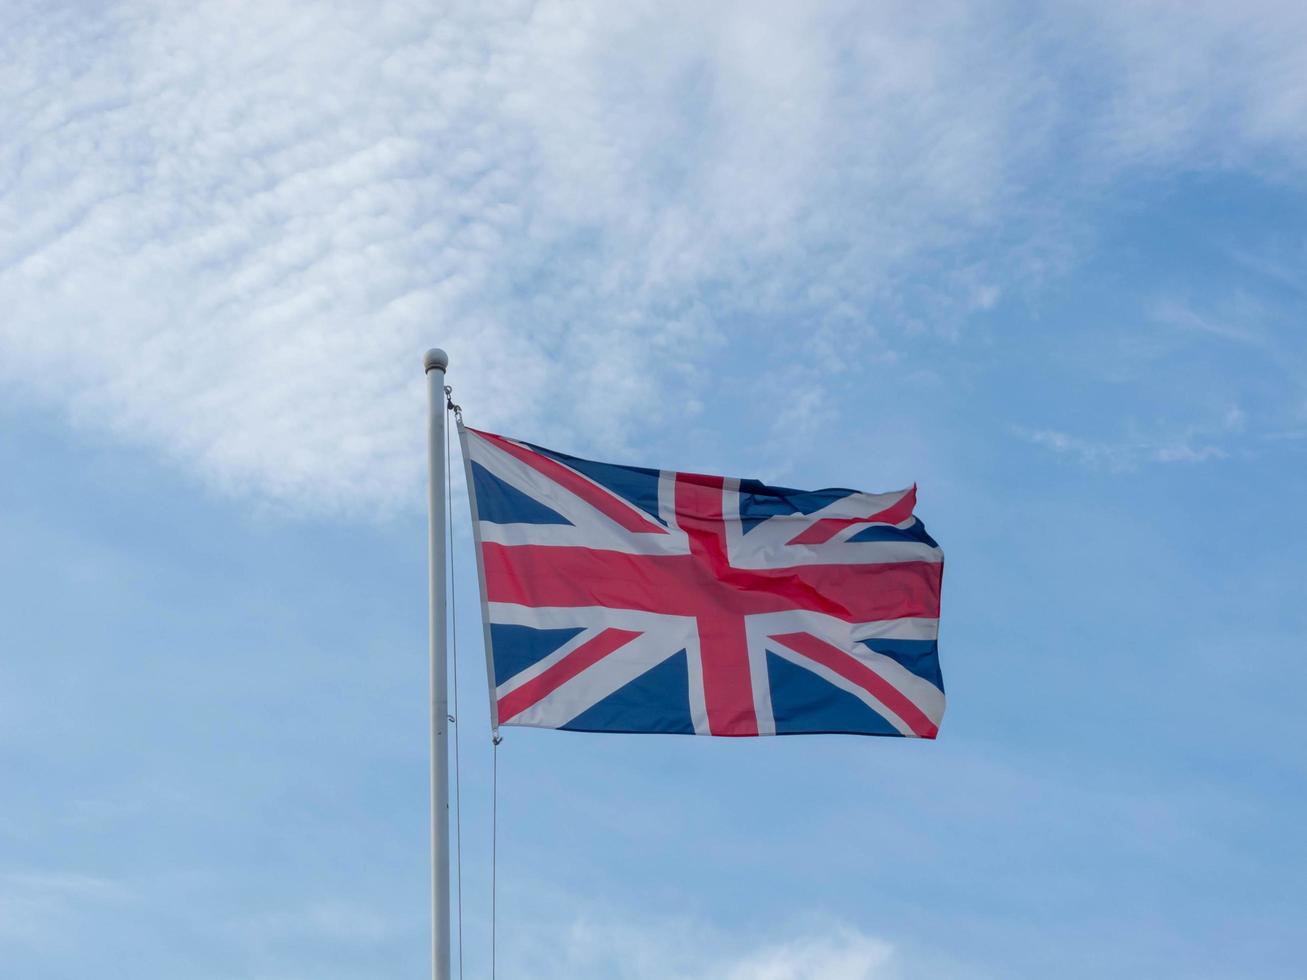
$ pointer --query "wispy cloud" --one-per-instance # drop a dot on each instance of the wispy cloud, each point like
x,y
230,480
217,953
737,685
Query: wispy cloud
x,y
1212,84
606,945
42,907
234,226
1195,444
842,955
1237,325
339,922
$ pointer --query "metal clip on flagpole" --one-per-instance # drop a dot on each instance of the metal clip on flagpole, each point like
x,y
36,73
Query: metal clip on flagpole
x,y
435,361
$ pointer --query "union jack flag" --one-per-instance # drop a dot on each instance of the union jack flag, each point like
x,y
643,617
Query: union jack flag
x,y
625,599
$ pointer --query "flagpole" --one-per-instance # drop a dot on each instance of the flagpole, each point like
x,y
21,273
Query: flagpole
x,y
435,361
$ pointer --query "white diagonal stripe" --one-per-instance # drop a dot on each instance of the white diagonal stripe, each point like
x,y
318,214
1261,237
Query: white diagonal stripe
x,y
590,527
843,683
596,682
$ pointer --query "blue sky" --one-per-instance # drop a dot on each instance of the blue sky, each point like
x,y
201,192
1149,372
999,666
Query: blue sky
x,y
1046,263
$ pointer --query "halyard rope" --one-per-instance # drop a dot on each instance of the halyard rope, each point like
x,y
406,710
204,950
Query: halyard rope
x,y
495,739
453,718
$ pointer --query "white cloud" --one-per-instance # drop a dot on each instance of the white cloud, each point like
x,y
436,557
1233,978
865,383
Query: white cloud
x,y
1193,444
1214,83
232,227
842,956
616,949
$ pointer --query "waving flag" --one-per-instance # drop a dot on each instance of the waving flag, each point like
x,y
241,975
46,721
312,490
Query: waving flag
x,y
624,599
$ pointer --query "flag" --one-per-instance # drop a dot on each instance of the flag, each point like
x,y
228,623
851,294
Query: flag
x,y
626,599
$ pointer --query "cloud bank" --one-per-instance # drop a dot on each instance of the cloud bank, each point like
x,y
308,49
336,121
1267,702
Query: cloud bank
x,y
229,229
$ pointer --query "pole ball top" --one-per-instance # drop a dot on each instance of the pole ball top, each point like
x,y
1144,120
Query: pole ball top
x,y
435,359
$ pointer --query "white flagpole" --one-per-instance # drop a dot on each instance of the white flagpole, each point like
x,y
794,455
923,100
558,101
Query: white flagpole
x,y
435,362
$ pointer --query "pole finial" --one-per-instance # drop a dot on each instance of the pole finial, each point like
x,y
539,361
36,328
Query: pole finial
x,y
435,359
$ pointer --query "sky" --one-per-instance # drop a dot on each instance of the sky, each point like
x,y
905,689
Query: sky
x,y
1046,261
